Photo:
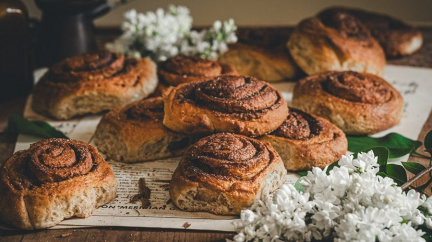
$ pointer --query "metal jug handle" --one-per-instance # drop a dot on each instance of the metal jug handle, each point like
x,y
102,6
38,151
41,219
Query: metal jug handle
x,y
99,10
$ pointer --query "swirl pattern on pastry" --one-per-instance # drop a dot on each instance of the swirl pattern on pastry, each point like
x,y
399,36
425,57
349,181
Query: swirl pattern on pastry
x,y
355,87
88,66
236,104
53,180
224,173
304,141
395,36
346,25
358,103
93,82
335,41
135,133
58,161
298,126
183,69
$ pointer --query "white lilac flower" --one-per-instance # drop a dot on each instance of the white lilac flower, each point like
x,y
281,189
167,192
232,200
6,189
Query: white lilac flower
x,y
350,203
428,204
428,222
165,33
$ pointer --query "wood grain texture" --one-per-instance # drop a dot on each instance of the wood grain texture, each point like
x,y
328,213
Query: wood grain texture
x,y
263,36
425,129
114,234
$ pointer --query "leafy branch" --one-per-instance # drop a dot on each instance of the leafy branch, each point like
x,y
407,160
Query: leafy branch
x,y
418,169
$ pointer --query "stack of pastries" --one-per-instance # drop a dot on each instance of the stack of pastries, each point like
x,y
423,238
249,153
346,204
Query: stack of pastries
x,y
236,134
236,120
228,170
341,39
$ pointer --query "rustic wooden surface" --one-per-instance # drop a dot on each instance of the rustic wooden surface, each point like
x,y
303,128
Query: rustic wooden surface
x,y
264,36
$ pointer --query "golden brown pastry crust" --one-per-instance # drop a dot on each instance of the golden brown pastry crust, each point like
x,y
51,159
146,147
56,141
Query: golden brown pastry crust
x,y
304,141
236,104
268,64
225,173
185,69
93,82
358,103
53,180
135,133
335,41
396,37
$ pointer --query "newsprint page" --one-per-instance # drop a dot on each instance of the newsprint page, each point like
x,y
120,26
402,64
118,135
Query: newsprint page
x,y
414,84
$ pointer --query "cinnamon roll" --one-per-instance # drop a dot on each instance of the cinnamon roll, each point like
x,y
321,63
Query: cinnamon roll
x,y
335,41
53,180
304,141
358,103
184,69
225,173
236,104
93,82
395,36
135,133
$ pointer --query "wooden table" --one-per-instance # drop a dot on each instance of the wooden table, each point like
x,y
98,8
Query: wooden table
x,y
273,35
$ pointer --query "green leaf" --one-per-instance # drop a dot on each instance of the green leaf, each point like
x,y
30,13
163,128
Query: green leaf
x,y
51,130
383,174
19,124
428,142
428,232
397,173
397,144
413,167
298,186
383,155
302,173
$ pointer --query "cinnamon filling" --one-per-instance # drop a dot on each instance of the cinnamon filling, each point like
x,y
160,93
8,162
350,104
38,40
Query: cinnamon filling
x,y
233,94
355,87
89,61
298,126
387,30
192,66
58,160
227,155
345,23
94,65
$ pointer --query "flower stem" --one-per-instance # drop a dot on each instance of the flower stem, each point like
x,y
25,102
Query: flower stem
x,y
421,155
416,177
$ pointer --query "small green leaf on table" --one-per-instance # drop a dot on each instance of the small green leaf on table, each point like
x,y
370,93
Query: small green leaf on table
x,y
428,142
397,173
21,125
413,167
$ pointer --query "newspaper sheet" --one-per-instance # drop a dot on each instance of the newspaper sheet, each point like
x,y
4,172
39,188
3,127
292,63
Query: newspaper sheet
x,y
415,84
